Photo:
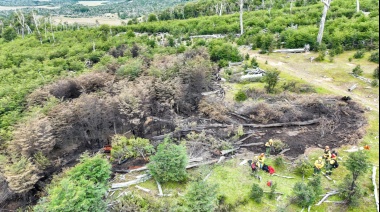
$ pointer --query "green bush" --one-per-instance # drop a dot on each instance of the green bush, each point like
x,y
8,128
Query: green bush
x,y
359,54
272,193
349,192
240,96
279,162
201,196
374,57
254,63
220,50
304,168
376,73
375,83
257,193
123,148
316,184
131,70
304,195
81,188
357,71
9,34
169,163
271,79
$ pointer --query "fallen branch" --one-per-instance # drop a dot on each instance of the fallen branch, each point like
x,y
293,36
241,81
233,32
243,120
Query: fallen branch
x,y
209,93
143,189
224,152
201,164
352,87
326,196
207,176
283,176
274,192
133,182
375,187
240,116
335,202
243,162
283,151
221,159
196,160
139,169
241,141
329,178
252,144
160,193
296,123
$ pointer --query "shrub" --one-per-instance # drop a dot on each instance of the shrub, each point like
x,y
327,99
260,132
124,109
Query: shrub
x,y
271,79
254,63
357,71
278,145
257,193
201,196
316,184
279,162
247,56
374,57
304,168
304,195
240,96
169,163
359,54
82,188
375,83
376,73
131,70
219,50
321,52
123,148
352,194
272,193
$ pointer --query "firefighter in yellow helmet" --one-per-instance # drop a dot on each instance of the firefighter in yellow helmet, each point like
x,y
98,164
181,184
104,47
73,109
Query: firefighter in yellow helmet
x,y
261,160
318,165
333,164
268,147
327,154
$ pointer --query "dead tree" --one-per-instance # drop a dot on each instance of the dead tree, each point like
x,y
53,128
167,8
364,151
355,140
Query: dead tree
x,y
51,28
357,6
37,27
323,20
21,20
241,17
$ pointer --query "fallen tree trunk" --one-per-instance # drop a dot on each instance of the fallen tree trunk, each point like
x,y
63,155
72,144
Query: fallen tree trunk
x,y
329,178
201,164
221,159
224,152
352,87
274,192
290,50
240,116
326,196
297,123
133,182
283,151
252,144
160,193
243,162
143,189
375,187
283,176
241,141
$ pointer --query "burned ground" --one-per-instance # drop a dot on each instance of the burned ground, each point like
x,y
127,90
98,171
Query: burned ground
x,y
177,102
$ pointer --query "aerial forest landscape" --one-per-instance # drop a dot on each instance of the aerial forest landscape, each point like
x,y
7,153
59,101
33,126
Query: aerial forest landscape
x,y
189,105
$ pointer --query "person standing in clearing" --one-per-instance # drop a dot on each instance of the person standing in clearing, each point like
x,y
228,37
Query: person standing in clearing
x,y
268,147
327,154
333,164
318,165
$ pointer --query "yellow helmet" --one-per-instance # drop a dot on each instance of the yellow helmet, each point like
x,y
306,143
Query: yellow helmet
x,y
319,158
270,140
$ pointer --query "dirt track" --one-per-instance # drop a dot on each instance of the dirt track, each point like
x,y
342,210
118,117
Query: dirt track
x,y
299,70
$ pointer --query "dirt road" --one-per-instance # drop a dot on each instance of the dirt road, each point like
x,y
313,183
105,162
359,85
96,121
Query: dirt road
x,y
306,71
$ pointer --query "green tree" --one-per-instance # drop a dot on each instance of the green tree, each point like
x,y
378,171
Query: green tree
x,y
257,193
9,34
152,18
358,164
123,147
304,195
271,79
169,163
81,188
201,197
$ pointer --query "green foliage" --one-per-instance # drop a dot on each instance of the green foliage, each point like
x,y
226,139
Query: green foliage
x,y
279,162
278,145
272,193
257,193
9,34
41,160
358,164
123,148
240,96
81,188
131,70
169,163
376,73
321,52
357,71
375,83
271,79
304,195
304,168
152,18
374,57
316,184
220,50
350,191
359,54
254,63
201,197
